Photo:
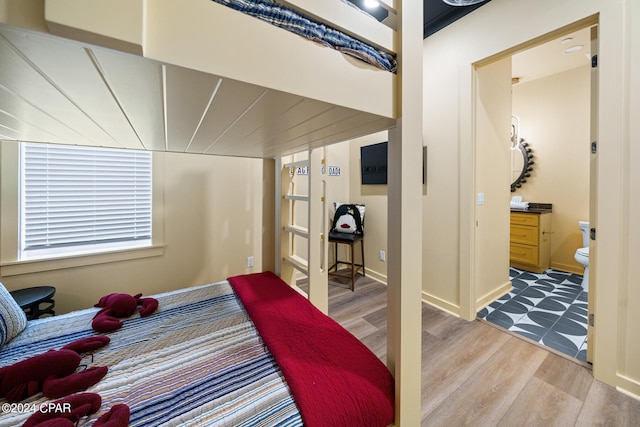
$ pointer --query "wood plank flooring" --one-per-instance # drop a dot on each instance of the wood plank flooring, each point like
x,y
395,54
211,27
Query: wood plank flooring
x,y
475,374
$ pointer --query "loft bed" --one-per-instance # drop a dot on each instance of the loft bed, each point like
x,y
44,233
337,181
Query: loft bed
x,y
208,79
196,76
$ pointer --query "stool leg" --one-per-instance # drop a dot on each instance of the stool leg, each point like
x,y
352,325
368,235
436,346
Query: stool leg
x,y
353,268
362,250
335,253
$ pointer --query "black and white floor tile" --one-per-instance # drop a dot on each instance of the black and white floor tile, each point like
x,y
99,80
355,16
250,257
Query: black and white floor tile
x,y
550,308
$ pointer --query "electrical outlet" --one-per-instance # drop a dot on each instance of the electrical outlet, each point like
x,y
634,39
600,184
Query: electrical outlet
x,y
382,256
249,261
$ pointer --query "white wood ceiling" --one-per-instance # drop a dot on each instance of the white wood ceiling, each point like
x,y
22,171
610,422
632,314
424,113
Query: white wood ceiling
x,y
61,91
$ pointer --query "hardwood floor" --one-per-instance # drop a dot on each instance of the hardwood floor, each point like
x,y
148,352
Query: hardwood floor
x,y
476,374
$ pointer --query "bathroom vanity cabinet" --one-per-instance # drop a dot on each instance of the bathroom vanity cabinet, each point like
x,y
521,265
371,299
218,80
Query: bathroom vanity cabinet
x,y
530,239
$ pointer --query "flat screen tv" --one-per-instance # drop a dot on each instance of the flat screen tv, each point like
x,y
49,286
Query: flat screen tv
x,y
373,162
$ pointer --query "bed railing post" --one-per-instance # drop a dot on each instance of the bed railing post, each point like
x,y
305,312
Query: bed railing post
x,y
318,229
278,220
404,272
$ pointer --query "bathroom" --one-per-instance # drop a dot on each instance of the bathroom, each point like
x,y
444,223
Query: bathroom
x,y
551,108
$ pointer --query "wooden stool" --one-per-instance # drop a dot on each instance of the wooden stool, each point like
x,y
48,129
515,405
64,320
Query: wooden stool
x,y
351,240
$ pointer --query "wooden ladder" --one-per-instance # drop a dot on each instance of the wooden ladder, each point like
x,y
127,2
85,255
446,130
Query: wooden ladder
x,y
310,224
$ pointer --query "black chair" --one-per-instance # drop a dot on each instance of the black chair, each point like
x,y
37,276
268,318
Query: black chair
x,y
347,239
29,299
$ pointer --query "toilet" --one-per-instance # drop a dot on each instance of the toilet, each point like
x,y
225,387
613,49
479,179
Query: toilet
x,y
582,254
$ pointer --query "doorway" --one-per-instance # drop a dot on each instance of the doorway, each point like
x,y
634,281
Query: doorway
x,y
549,91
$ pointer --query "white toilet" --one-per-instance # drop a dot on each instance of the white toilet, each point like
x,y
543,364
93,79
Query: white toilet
x,y
582,254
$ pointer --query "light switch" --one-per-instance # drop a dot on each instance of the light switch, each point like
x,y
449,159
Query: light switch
x,y
480,199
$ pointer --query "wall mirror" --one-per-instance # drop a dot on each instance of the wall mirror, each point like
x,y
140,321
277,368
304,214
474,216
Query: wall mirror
x,y
521,157
521,164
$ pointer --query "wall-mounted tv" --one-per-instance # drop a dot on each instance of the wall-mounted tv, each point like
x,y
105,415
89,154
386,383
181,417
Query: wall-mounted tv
x,y
373,163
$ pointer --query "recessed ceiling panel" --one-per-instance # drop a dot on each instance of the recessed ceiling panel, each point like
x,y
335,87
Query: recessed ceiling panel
x,y
135,84
272,130
188,94
260,122
67,78
19,129
232,100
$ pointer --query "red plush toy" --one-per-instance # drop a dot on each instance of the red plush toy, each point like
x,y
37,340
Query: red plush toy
x,y
116,306
53,373
118,416
66,412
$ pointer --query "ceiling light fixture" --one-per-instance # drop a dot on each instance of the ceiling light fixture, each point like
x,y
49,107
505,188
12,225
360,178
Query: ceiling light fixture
x,y
573,49
371,4
462,2
567,40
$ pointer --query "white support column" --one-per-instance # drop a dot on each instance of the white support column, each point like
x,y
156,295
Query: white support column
x,y
404,274
318,232
277,216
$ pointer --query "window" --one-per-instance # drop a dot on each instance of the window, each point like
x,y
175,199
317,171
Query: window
x,y
80,200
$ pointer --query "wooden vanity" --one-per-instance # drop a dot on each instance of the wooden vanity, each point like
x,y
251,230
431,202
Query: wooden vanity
x,y
530,237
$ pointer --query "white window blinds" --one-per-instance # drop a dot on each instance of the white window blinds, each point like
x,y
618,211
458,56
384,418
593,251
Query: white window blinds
x,y
83,199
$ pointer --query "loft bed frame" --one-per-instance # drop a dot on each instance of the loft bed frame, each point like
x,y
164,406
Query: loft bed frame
x,y
196,76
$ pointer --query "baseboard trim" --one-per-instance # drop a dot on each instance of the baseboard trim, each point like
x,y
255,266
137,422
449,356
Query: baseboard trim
x,y
568,268
375,275
628,386
492,296
441,304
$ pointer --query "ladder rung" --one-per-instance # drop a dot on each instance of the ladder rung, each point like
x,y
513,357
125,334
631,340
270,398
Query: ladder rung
x,y
297,230
296,197
298,263
297,164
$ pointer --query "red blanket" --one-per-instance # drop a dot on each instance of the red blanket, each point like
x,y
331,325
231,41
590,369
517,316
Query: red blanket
x,y
334,378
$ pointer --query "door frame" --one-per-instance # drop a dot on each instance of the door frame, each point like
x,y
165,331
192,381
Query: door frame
x,y
468,266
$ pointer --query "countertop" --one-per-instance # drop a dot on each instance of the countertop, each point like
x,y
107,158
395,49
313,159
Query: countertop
x,y
535,208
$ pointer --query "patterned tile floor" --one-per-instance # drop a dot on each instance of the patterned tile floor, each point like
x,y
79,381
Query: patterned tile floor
x,y
550,308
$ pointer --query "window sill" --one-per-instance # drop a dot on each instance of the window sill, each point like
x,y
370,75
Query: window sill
x,y
60,263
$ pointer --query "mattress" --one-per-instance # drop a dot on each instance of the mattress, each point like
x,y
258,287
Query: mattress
x,y
280,16
198,360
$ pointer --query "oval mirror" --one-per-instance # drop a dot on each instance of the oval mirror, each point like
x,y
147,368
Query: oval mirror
x,y
521,163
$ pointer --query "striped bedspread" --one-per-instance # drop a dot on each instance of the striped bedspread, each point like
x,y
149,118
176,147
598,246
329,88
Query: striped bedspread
x,y
280,16
198,360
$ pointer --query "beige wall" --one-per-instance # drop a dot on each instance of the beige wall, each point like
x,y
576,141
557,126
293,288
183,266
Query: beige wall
x,y
27,14
492,153
554,119
449,57
212,223
374,197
